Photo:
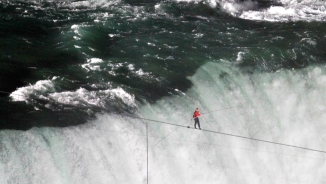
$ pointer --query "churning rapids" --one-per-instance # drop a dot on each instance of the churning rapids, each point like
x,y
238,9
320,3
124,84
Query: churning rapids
x,y
75,74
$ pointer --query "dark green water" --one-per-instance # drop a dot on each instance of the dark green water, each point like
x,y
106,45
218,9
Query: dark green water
x,y
62,62
255,69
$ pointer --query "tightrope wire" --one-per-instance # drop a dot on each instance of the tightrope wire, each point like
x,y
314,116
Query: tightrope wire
x,y
216,132
227,134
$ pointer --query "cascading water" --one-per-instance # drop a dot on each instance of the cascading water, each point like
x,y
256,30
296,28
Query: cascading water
x,y
79,72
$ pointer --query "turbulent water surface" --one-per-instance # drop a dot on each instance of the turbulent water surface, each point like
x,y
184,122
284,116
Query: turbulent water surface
x,y
75,74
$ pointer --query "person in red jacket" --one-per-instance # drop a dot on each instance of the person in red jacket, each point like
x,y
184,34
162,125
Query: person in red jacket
x,y
195,116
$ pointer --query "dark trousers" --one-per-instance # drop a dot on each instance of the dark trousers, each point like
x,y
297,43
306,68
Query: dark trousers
x,y
197,122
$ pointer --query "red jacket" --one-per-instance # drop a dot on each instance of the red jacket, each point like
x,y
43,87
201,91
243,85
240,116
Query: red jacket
x,y
196,114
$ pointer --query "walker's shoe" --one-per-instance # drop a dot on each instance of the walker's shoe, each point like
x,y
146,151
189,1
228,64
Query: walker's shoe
x,y
199,128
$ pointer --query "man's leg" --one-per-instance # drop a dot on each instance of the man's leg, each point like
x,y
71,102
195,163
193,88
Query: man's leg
x,y
196,121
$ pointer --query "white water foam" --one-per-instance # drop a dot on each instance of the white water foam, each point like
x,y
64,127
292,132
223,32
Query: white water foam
x,y
92,64
92,98
235,7
280,10
40,87
285,107
305,10
45,89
